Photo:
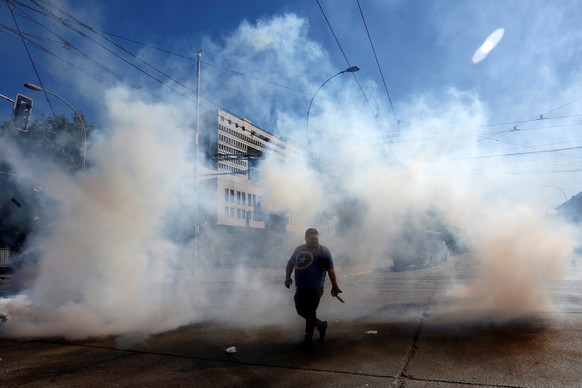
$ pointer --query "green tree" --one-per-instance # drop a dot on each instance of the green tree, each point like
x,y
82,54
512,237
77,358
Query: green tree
x,y
55,139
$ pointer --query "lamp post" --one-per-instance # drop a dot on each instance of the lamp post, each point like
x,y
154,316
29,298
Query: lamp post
x,y
351,69
555,187
197,158
39,89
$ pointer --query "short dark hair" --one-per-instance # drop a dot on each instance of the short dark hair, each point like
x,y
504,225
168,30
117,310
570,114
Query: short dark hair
x,y
311,231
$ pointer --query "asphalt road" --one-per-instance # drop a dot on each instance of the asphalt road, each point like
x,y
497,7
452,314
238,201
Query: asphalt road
x,y
403,329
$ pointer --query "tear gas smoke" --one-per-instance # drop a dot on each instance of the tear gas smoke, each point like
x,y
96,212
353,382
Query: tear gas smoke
x,y
519,255
103,252
108,262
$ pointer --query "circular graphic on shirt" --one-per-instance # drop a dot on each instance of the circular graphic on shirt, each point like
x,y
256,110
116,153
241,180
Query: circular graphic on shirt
x,y
303,260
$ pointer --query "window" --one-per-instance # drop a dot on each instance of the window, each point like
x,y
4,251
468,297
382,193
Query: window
x,y
244,198
231,211
238,213
231,195
225,195
238,196
226,211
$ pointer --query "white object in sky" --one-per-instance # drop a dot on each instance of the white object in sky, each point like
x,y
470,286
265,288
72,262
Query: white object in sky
x,y
488,45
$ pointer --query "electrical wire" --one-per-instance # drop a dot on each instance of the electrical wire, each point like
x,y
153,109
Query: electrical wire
x,y
86,57
236,72
74,20
95,31
538,117
257,78
378,63
8,3
517,153
68,24
193,59
27,38
346,59
70,46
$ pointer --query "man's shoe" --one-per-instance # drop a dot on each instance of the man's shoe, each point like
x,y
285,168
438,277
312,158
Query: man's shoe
x,y
322,328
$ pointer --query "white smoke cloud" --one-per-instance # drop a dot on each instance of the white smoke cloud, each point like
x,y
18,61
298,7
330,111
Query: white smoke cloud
x,y
106,265
103,261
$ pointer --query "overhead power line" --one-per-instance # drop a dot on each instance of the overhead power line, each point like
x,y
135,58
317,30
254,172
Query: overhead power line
x,y
34,40
69,21
378,63
516,153
538,117
203,62
346,58
11,8
132,55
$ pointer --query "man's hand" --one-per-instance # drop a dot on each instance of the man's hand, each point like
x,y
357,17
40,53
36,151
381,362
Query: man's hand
x,y
333,278
288,282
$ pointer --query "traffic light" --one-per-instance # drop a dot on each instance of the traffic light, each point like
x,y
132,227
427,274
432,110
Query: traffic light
x,y
21,112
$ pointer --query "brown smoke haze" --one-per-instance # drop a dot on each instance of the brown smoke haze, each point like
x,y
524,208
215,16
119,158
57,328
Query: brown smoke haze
x,y
518,255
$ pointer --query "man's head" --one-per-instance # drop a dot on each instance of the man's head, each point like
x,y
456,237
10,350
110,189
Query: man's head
x,y
312,237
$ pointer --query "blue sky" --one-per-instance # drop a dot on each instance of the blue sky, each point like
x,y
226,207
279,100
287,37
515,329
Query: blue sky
x,y
423,57
423,47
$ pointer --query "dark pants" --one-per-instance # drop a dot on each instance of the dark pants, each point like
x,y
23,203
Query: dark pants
x,y
306,303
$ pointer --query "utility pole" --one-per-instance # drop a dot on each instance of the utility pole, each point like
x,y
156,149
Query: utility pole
x,y
196,159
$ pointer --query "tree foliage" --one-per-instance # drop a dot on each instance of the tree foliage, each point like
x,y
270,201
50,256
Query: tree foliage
x,y
53,139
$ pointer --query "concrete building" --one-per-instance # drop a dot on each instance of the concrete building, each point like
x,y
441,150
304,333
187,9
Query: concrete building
x,y
231,194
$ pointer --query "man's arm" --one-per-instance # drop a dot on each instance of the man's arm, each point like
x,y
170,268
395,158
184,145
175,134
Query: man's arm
x,y
334,287
288,272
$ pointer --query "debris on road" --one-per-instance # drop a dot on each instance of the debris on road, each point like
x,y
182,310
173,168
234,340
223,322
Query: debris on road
x,y
371,332
232,349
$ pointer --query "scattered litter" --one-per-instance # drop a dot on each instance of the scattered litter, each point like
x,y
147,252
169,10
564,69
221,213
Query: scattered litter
x,y
372,332
232,349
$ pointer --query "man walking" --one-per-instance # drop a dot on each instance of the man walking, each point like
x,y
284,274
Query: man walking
x,y
311,261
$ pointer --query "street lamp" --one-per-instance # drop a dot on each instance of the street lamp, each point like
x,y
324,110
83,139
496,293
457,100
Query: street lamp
x,y
39,89
351,69
555,187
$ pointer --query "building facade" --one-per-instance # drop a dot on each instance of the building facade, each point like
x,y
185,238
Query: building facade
x,y
233,147
233,224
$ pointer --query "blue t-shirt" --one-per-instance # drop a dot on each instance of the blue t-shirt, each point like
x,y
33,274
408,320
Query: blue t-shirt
x,y
311,265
